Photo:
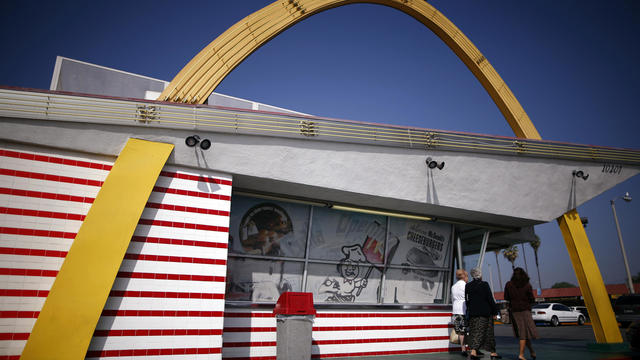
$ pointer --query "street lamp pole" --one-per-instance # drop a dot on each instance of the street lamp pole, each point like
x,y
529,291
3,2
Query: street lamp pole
x,y
626,198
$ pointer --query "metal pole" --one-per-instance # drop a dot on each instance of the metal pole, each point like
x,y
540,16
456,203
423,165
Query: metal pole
x,y
483,248
459,252
624,254
491,278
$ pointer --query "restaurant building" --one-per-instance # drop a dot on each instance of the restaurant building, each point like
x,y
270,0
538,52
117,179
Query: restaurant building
x,y
371,219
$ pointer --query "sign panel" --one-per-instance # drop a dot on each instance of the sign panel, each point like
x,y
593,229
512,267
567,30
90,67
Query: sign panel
x,y
266,227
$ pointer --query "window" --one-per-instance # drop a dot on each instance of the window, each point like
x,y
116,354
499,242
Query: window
x,y
339,256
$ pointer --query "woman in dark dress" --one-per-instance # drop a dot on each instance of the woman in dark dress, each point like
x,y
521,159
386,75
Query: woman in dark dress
x,y
519,294
481,309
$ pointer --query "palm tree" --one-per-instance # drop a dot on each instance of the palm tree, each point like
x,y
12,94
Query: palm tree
x,y
496,252
511,253
535,244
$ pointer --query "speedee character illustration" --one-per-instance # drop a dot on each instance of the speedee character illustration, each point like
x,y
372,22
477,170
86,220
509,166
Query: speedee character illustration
x,y
353,280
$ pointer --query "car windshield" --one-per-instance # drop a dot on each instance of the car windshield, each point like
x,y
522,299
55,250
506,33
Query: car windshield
x,y
540,306
628,300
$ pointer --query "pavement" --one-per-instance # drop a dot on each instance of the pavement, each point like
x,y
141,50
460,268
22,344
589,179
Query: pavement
x,y
565,342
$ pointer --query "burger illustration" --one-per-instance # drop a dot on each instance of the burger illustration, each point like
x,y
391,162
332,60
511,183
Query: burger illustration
x,y
262,227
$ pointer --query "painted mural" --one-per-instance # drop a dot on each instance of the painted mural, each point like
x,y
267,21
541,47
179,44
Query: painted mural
x,y
352,257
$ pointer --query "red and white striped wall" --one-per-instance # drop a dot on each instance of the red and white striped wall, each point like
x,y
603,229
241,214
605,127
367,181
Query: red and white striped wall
x,y
168,297
252,334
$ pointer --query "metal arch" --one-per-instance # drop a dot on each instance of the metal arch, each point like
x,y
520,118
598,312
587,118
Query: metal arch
x,y
197,80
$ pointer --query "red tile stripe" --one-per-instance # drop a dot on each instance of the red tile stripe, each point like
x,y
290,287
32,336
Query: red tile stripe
x,y
163,313
198,178
181,225
164,294
41,213
49,177
178,259
40,233
28,272
158,332
19,314
340,342
121,293
372,353
24,293
14,336
32,252
382,353
121,274
191,193
15,357
96,183
342,328
53,159
188,209
45,195
340,315
69,235
55,253
153,352
158,276
89,200
156,240
379,340
133,313
79,217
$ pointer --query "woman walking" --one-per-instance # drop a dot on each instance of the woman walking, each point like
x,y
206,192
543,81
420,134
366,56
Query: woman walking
x,y
459,311
519,294
481,309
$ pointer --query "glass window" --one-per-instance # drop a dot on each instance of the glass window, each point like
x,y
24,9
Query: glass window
x,y
413,286
261,280
345,261
345,282
418,243
339,234
266,227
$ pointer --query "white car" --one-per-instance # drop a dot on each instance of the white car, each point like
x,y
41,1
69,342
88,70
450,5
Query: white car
x,y
554,314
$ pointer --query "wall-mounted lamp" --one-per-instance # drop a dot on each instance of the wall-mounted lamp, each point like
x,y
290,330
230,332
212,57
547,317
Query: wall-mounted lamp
x,y
193,140
580,174
434,164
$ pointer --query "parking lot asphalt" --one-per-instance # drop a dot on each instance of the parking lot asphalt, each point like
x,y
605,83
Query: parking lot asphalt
x,y
565,342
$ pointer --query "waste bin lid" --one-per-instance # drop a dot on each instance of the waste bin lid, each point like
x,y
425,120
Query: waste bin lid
x,y
295,303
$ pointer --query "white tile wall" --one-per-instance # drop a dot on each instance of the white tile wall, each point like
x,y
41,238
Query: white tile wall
x,y
204,314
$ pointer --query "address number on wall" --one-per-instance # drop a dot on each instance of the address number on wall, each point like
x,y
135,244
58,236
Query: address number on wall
x,y
612,169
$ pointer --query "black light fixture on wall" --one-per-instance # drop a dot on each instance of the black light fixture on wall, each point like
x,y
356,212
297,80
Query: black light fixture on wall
x,y
434,164
193,140
580,174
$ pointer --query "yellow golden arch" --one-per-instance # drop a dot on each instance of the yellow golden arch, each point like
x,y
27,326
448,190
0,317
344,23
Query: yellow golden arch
x,y
55,336
197,80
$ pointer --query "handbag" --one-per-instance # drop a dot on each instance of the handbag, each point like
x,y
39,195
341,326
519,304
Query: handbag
x,y
454,338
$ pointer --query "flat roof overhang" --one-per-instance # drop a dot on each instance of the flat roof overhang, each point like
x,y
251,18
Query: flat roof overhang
x,y
487,181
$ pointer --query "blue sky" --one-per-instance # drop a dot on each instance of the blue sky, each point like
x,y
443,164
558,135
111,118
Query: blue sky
x,y
571,64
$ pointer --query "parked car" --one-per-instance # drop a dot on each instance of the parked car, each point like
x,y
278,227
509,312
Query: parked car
x,y
582,309
627,308
554,314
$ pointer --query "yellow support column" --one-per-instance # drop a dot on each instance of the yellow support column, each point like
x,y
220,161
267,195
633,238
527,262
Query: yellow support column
x,y
71,312
587,271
